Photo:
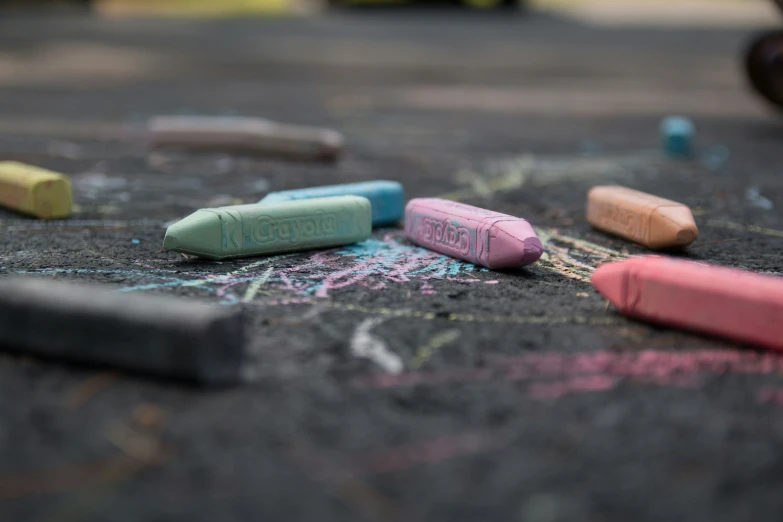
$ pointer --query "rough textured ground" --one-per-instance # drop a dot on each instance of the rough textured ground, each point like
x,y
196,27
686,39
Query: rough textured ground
x,y
521,395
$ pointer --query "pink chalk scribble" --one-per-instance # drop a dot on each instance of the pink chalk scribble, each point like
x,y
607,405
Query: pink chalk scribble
x,y
374,264
553,390
329,466
769,394
431,451
556,374
389,380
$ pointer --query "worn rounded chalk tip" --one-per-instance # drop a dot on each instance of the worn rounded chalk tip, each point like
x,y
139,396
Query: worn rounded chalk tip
x,y
674,227
170,242
195,235
534,249
611,281
513,244
686,237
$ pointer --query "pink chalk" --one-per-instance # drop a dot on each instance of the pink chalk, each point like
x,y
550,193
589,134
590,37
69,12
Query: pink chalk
x,y
737,304
479,236
590,383
770,394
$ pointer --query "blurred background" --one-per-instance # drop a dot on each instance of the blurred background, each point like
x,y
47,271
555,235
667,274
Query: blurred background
x,y
611,11
462,103
717,34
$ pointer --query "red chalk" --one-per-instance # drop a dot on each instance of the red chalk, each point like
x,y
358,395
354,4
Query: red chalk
x,y
726,302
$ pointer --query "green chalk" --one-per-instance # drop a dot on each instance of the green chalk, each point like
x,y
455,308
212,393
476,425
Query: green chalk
x,y
270,228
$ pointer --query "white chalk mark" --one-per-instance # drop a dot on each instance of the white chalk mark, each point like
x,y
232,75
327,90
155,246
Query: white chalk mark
x,y
263,262
754,197
229,275
252,289
366,345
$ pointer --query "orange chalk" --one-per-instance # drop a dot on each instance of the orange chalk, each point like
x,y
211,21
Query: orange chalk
x,y
651,221
726,302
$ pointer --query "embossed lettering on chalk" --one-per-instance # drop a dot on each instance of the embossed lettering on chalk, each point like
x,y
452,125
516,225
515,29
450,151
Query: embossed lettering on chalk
x,y
621,219
449,235
292,229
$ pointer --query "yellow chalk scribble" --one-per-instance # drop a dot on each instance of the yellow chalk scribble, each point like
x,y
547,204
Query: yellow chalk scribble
x,y
745,228
511,174
472,318
425,352
254,286
560,259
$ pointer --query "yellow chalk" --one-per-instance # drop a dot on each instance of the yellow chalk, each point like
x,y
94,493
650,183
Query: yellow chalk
x,y
32,190
192,8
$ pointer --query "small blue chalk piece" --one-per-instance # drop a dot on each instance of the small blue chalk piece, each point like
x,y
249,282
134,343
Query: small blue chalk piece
x,y
386,197
677,136
135,241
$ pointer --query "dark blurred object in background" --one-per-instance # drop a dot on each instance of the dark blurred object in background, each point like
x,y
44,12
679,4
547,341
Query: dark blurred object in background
x,y
764,64
45,4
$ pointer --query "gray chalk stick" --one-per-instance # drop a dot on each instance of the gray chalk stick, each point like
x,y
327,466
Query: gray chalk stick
x,y
157,335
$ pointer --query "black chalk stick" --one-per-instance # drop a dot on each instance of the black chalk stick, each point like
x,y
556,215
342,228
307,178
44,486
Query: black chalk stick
x,y
158,335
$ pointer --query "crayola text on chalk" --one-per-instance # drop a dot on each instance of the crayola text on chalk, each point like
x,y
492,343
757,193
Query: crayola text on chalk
x,y
451,236
268,228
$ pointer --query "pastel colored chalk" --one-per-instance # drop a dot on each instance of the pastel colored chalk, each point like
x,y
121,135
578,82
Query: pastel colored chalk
x,y
654,222
261,228
677,136
156,335
724,302
255,135
386,197
35,191
473,234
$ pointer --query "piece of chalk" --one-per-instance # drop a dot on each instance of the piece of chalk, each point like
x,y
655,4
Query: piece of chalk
x,y
677,136
726,302
476,235
245,134
35,191
156,335
386,197
261,228
651,221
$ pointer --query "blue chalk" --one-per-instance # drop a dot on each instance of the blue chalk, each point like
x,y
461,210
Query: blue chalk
x,y
135,241
677,136
386,197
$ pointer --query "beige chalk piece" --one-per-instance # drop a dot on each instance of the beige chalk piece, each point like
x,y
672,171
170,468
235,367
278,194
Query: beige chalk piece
x,y
651,221
256,135
35,191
